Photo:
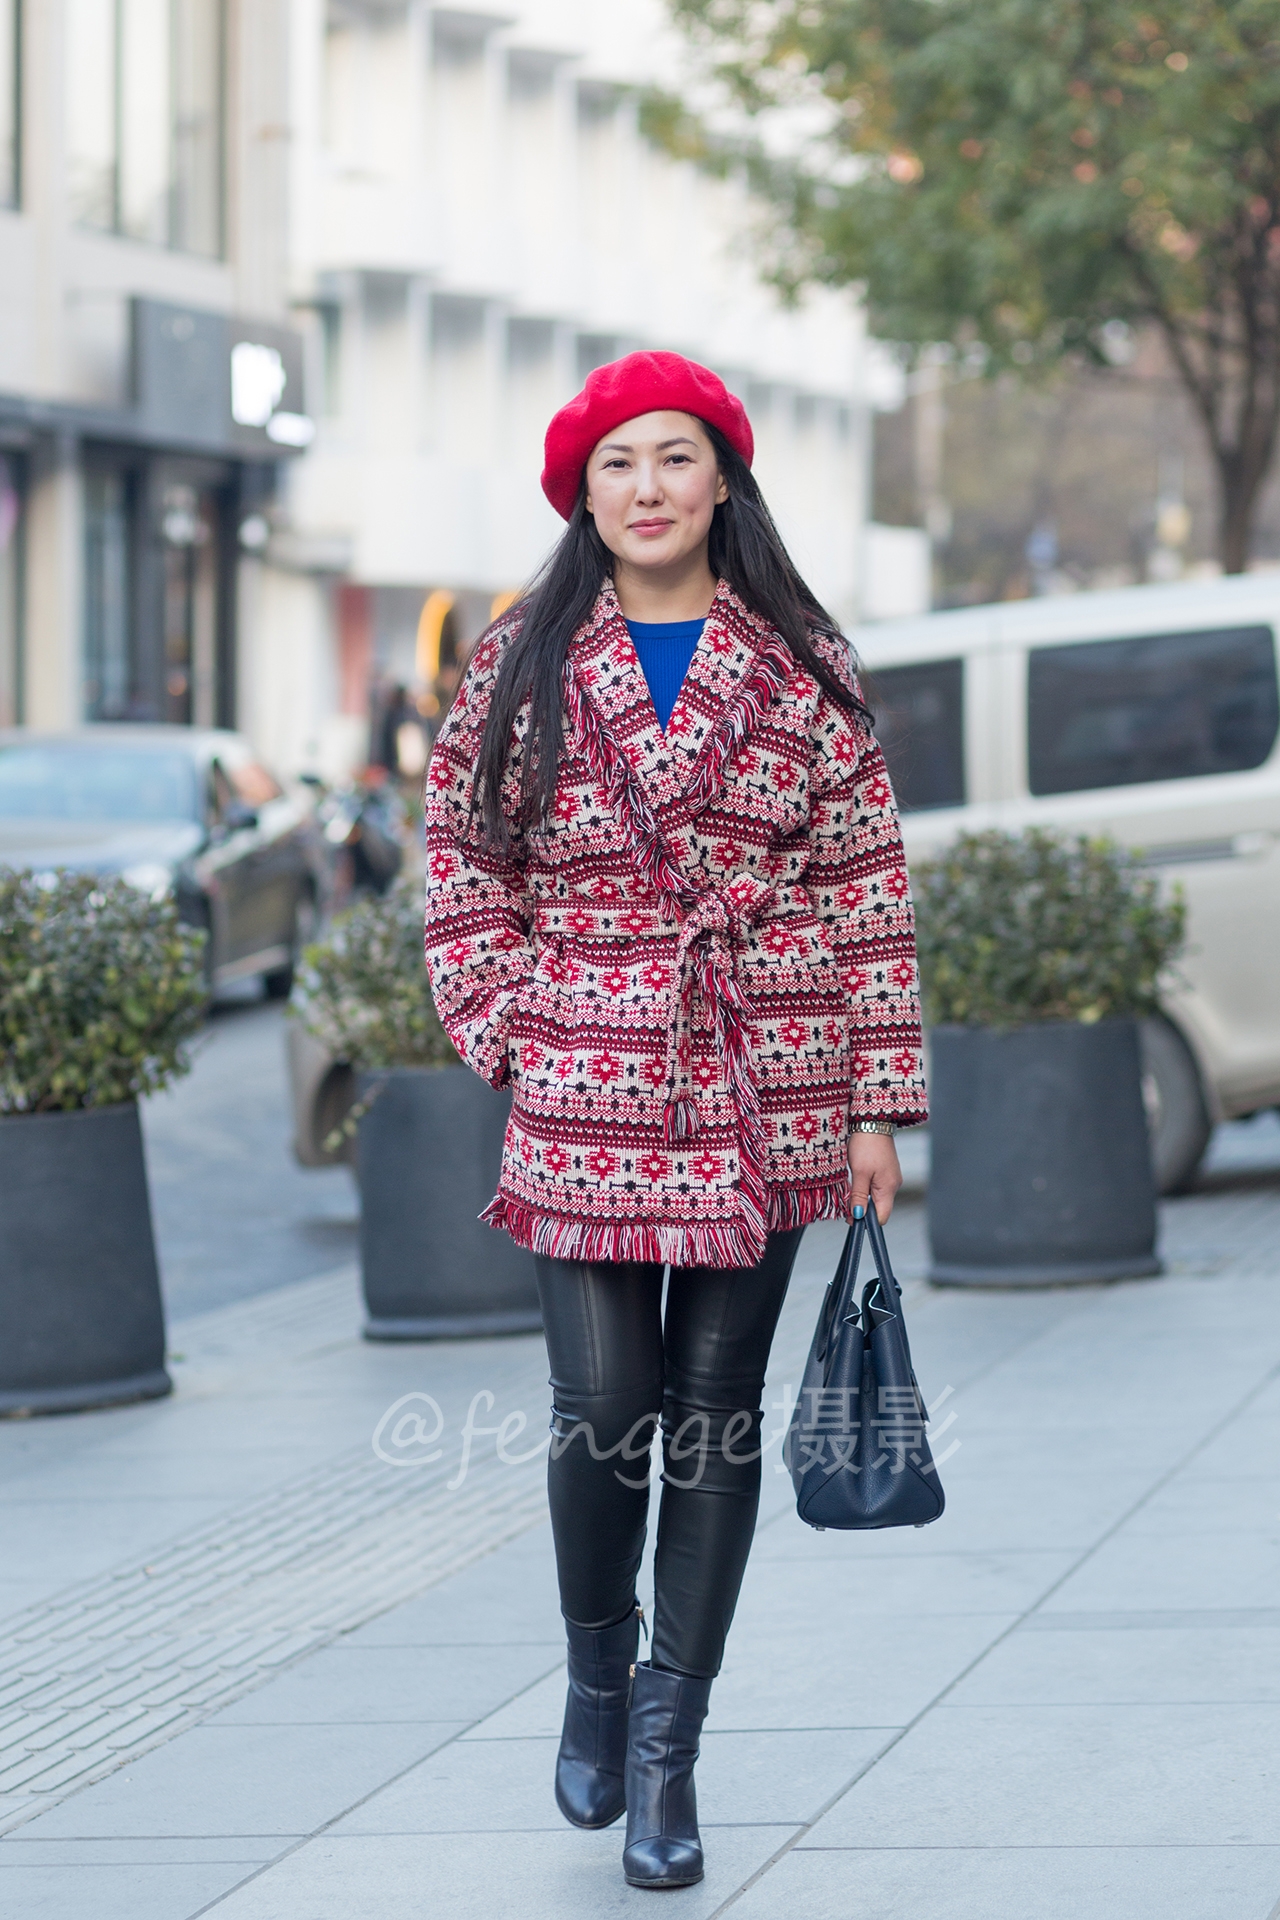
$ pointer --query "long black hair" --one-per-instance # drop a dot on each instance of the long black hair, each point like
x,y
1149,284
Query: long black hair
x,y
744,548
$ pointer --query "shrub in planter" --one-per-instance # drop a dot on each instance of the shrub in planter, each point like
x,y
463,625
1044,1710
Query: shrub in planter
x,y
99,989
1038,955
429,1134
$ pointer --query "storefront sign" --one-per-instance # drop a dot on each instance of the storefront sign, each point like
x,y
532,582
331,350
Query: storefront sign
x,y
217,382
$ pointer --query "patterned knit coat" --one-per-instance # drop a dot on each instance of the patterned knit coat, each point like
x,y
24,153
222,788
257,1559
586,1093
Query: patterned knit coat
x,y
702,964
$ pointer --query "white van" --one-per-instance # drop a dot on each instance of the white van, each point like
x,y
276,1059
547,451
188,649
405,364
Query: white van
x,y
1151,714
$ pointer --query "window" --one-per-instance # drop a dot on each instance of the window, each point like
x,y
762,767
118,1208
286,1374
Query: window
x,y
86,782
10,591
144,113
9,99
1170,706
330,314
108,593
920,726
189,529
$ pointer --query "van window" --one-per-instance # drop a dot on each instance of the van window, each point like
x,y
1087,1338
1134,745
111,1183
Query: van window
x,y
1168,706
920,726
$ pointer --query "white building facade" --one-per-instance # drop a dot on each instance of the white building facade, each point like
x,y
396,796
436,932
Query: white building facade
x,y
290,291
143,206
477,221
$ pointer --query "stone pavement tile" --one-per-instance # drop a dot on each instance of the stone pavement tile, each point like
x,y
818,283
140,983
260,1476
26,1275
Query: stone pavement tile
x,y
506,1786
535,1714
982,1325
348,1685
209,1466
824,1686
1248,1445
1149,1665
866,1575
847,1670
70,1540
1055,1510
1004,1456
780,1776
280,1781
16,1595
140,1890
1026,1883
1159,1571
1190,1380
482,1787
239,1849
1071,1776
1088,1366
1268,1400
564,1875
1204,1506
508,1597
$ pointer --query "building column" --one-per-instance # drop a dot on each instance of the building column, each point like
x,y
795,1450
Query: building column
x,y
52,665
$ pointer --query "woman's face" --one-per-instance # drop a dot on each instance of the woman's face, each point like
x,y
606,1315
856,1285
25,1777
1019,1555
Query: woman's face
x,y
652,486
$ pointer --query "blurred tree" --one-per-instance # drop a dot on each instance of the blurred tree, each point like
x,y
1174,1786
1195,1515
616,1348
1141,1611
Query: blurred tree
x,y
1030,181
1098,454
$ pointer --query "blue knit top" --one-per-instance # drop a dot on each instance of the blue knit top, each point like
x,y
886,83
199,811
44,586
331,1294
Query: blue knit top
x,y
664,649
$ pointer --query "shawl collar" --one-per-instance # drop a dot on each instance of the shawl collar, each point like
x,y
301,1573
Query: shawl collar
x,y
738,669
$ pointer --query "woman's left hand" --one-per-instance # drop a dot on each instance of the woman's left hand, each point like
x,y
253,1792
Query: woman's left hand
x,y
874,1171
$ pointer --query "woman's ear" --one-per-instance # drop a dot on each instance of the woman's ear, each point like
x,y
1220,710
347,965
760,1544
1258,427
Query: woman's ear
x,y
722,489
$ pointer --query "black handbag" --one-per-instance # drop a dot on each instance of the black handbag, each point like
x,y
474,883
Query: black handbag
x,y
856,1448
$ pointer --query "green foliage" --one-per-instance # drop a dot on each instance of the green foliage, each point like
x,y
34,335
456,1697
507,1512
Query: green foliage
x,y
363,991
99,989
1016,178
1018,928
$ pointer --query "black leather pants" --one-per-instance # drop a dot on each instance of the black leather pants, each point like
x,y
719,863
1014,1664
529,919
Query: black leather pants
x,y
616,1368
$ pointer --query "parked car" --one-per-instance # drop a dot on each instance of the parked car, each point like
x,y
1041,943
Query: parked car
x,y
1152,715
180,810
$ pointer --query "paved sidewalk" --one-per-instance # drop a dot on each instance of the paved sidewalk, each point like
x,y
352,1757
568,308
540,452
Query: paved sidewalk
x,y
250,1665
234,1213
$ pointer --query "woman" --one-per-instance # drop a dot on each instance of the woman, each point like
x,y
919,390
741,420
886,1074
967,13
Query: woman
x,y
667,906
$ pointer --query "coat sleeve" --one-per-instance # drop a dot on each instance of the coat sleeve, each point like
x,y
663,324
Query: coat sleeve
x,y
478,911
857,879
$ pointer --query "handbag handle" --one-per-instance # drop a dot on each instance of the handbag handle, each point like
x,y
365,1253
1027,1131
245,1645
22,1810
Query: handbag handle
x,y
841,1303
872,1314
879,1247
844,1290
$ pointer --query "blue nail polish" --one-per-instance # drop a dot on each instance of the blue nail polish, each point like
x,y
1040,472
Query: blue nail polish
x,y
859,1213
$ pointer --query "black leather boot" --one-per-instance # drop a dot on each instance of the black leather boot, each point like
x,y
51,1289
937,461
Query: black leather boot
x,y
663,1846
592,1760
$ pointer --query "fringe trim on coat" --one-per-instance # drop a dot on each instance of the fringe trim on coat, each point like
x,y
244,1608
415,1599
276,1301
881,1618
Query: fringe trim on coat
x,y
718,1244
773,668
611,767
718,981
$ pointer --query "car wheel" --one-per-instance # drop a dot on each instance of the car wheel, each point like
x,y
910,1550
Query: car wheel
x,y
1177,1113
279,983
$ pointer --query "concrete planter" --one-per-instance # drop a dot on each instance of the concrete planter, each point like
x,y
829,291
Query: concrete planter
x,y
1041,1166
321,1090
81,1320
428,1157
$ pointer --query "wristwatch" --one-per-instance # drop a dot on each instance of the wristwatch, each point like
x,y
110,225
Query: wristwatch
x,y
873,1126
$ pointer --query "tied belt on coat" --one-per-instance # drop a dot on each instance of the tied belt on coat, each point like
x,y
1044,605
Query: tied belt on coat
x,y
710,934
711,925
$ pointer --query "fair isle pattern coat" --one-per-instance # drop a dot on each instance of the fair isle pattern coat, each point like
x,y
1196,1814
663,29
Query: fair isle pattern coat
x,y
696,970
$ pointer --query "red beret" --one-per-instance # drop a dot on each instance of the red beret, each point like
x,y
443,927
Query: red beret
x,y
640,383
